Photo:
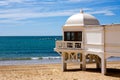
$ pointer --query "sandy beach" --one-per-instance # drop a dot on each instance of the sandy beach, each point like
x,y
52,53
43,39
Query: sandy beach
x,y
54,72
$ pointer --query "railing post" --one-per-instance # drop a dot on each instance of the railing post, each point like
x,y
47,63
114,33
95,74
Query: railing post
x,y
73,45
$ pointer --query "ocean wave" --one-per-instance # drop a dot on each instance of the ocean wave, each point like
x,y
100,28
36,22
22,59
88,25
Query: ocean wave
x,y
32,58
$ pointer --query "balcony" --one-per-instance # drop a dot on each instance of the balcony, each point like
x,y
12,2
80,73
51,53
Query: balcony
x,y
71,45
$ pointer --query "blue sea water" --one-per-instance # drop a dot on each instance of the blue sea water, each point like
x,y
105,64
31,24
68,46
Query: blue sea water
x,y
18,47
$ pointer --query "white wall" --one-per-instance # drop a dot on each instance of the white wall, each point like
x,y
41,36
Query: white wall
x,y
94,39
95,36
112,39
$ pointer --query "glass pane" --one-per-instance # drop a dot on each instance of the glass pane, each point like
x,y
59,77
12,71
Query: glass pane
x,y
68,36
79,36
72,36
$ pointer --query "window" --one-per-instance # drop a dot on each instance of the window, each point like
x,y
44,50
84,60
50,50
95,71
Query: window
x,y
73,36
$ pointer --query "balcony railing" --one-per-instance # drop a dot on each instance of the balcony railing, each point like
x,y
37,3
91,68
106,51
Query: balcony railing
x,y
69,45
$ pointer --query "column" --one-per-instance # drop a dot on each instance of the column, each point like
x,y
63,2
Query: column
x,y
84,61
103,64
81,60
64,65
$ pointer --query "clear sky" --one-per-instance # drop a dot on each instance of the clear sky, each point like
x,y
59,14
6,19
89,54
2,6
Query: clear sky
x,y
46,17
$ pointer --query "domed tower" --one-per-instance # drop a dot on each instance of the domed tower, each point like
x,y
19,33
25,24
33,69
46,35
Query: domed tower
x,y
81,33
73,29
81,19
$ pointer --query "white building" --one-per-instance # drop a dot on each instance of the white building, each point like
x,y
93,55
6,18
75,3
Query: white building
x,y
84,37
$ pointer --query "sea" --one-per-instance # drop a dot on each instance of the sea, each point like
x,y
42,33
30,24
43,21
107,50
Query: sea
x,y
17,50
28,49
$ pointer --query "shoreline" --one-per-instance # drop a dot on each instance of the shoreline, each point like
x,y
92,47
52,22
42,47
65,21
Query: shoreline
x,y
30,62
45,60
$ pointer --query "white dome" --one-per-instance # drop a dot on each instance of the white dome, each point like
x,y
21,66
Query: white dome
x,y
81,19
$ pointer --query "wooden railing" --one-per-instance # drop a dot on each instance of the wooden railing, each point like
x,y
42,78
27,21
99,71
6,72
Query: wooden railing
x,y
69,45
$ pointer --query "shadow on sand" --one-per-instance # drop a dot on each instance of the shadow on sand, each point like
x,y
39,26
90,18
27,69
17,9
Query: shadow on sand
x,y
73,70
110,71
113,72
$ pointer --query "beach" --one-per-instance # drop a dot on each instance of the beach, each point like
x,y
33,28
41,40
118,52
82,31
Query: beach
x,y
54,72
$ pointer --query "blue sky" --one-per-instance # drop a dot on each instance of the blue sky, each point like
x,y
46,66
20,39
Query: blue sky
x,y
46,17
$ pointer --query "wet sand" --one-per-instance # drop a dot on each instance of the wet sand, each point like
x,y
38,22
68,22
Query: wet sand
x,y
54,72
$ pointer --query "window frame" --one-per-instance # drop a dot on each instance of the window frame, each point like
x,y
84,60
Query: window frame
x,y
73,36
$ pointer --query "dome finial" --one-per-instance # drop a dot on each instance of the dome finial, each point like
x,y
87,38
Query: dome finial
x,y
81,11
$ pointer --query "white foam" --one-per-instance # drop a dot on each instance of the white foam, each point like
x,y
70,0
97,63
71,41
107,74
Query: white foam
x,y
35,58
51,57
